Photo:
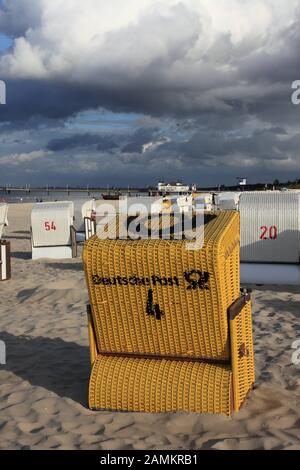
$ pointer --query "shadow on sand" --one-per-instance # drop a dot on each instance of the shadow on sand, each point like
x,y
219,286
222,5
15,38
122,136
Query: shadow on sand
x,y
66,266
53,364
21,255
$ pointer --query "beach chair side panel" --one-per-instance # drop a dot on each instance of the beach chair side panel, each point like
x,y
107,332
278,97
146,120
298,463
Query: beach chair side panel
x,y
242,355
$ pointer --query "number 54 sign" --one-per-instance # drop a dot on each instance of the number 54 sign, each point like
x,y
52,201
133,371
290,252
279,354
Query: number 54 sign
x,y
50,226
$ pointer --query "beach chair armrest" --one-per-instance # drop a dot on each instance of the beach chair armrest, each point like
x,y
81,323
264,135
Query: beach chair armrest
x,y
238,305
92,336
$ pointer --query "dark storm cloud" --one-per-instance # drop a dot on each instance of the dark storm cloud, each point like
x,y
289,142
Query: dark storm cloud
x,y
12,23
35,122
171,74
139,139
262,145
237,78
102,143
216,82
50,100
278,65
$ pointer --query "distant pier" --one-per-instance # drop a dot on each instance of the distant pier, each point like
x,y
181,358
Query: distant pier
x,y
68,190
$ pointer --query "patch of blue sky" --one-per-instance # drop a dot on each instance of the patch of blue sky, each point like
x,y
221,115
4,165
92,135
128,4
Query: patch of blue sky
x,y
104,121
5,42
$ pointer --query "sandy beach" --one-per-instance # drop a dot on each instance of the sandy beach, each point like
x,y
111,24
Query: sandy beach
x,y
43,393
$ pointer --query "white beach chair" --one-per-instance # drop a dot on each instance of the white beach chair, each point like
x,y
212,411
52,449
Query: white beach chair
x,y
165,204
185,203
227,201
270,229
53,234
204,200
85,221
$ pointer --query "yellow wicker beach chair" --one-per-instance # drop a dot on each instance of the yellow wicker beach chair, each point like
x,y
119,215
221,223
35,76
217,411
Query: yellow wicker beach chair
x,y
169,327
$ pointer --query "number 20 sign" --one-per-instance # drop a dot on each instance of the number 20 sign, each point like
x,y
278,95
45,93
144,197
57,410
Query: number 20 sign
x,y
268,233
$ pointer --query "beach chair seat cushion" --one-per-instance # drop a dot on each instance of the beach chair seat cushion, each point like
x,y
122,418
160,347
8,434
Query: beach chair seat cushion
x,y
160,385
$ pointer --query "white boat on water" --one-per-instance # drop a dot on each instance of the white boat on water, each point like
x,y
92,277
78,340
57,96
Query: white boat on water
x,y
175,188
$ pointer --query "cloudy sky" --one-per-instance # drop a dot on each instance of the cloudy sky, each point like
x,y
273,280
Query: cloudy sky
x,y
128,92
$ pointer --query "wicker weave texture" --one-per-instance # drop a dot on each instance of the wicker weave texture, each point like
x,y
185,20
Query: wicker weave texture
x,y
148,385
163,313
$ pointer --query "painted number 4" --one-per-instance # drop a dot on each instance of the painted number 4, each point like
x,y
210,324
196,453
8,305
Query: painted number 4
x,y
49,226
268,233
